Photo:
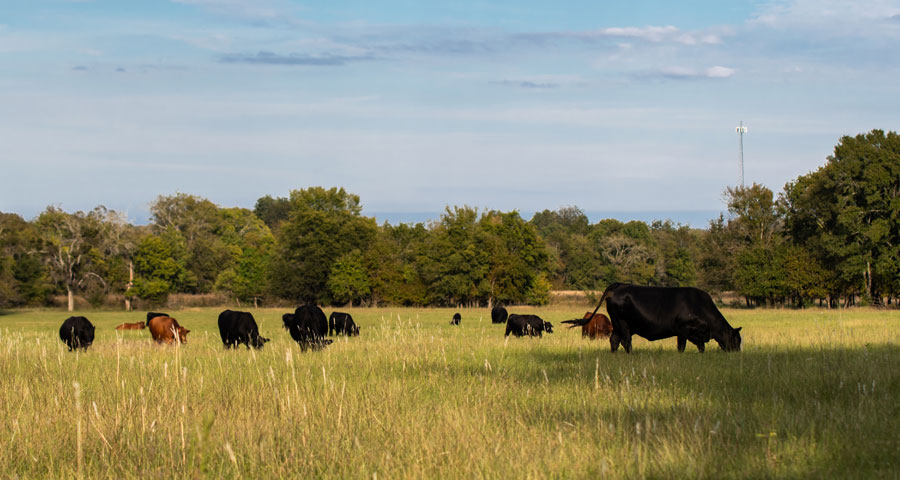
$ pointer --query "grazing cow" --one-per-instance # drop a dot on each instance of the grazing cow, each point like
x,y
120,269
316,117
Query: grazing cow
x,y
308,327
499,314
341,323
239,327
286,320
132,326
167,330
77,332
150,316
593,326
456,319
661,312
521,325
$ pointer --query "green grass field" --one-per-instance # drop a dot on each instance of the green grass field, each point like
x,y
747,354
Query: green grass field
x,y
814,394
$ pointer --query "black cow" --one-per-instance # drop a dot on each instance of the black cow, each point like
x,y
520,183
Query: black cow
x,y
150,315
341,323
286,320
662,312
521,325
239,327
77,332
308,327
499,314
456,319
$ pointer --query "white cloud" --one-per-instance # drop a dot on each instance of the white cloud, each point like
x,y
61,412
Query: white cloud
x,y
836,15
668,33
719,72
677,71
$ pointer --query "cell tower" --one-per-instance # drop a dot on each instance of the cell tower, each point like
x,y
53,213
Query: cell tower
x,y
741,130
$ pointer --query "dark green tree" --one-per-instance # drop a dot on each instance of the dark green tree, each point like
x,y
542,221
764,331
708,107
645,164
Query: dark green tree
x,y
390,263
455,261
273,211
323,226
517,256
675,249
847,214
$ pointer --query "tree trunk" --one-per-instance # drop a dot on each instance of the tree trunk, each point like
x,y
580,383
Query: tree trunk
x,y
71,298
869,281
129,285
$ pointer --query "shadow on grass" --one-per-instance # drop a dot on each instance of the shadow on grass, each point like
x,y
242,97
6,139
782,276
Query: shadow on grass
x,y
792,412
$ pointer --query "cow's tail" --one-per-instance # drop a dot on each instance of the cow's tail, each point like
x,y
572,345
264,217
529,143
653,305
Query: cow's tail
x,y
603,297
578,322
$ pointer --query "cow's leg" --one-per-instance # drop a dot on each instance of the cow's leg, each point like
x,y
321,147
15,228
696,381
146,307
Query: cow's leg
x,y
701,346
614,342
625,338
682,342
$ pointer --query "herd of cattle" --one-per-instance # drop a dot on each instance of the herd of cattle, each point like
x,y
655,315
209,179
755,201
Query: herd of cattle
x,y
689,314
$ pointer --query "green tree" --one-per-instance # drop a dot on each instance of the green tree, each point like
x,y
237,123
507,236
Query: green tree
x,y
72,247
23,278
273,211
517,256
390,263
715,257
755,230
846,214
160,263
675,251
251,246
199,223
323,226
626,252
454,262
573,260
348,281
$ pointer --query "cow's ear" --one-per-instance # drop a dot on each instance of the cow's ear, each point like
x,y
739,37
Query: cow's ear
x,y
738,329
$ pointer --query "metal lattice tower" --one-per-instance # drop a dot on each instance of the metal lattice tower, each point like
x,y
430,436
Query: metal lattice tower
x,y
741,130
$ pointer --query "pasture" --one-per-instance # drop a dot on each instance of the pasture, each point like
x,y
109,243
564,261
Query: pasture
x,y
814,393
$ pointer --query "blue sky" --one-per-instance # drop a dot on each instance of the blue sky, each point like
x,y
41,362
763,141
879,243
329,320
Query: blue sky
x,y
417,105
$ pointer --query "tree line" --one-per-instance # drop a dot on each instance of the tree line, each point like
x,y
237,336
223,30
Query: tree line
x,y
830,236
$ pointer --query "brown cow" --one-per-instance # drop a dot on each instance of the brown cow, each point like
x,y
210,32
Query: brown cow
x,y
597,327
167,330
131,326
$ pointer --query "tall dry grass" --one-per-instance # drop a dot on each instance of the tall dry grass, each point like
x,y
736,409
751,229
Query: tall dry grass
x,y
813,394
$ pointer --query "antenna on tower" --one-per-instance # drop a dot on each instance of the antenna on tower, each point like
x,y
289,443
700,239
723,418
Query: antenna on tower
x,y
741,130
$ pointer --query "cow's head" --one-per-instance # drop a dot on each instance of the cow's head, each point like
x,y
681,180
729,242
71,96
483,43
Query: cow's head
x,y
85,337
731,341
287,319
258,342
182,334
548,327
354,330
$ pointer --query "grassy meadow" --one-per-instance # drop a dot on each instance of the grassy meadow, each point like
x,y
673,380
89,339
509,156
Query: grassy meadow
x,y
814,393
